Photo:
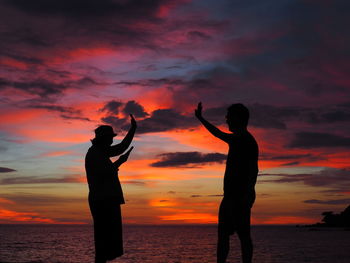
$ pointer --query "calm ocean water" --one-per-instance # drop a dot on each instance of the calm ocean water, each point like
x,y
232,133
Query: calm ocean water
x,y
171,244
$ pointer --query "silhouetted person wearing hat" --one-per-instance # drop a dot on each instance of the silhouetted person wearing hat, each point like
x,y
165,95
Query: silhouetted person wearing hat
x,y
239,181
105,192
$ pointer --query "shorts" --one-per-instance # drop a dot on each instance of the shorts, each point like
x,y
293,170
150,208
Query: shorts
x,y
233,217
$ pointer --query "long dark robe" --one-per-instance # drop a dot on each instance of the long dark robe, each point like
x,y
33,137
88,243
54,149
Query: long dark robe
x,y
108,233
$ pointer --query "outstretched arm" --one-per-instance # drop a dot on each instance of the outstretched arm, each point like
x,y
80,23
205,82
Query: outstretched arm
x,y
210,127
123,158
118,149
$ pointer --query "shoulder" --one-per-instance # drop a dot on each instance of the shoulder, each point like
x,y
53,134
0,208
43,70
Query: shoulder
x,y
231,137
249,137
94,152
252,143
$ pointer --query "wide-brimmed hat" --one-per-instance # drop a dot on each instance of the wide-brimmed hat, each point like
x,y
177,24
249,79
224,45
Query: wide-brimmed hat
x,y
104,131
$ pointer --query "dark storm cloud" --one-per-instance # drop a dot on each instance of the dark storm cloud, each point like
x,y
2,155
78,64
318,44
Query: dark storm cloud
x,y
44,88
82,8
197,35
165,120
188,159
115,122
267,116
153,82
220,83
317,140
132,107
330,177
278,117
41,87
335,116
68,113
266,48
112,107
264,116
6,170
27,36
157,121
284,157
345,201
326,115
24,58
66,25
292,159
345,105
261,115
85,81
59,73
272,53
323,69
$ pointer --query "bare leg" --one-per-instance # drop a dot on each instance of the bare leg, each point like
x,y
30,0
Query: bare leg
x,y
223,246
246,246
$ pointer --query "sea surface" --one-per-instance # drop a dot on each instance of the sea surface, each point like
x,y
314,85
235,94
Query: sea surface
x,y
171,244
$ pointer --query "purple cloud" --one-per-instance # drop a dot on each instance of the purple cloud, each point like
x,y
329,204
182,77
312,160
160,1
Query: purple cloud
x,y
317,140
6,170
345,201
188,159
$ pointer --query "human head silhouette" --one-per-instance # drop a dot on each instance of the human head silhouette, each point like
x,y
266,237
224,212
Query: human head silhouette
x,y
237,117
104,135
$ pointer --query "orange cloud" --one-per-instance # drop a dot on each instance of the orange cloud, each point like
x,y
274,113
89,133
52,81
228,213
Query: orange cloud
x,y
163,202
190,217
6,201
25,217
140,169
198,138
182,210
156,98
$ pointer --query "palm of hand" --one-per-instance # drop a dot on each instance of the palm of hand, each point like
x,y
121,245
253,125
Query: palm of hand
x,y
198,111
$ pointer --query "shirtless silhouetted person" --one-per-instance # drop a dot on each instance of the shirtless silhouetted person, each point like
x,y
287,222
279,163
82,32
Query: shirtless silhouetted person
x,y
105,192
239,181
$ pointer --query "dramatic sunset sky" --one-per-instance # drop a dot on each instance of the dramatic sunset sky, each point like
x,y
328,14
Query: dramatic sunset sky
x,y
68,66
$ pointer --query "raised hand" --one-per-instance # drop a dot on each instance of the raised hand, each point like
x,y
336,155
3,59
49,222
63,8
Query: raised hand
x,y
123,158
133,121
198,111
